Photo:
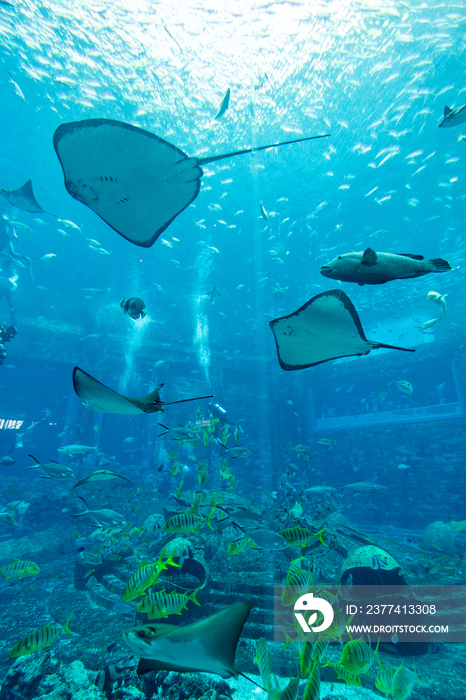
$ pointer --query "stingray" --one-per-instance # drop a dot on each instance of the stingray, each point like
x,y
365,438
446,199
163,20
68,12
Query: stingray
x,y
326,328
100,398
101,475
135,181
23,198
207,645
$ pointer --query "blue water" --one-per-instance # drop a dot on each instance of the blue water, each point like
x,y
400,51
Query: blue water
x,y
375,77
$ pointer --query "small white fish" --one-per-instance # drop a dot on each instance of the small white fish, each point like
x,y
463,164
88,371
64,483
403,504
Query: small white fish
x,y
70,224
429,324
18,90
438,299
48,256
297,510
405,386
263,212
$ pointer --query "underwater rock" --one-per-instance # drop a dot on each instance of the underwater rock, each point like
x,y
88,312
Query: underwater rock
x,y
178,686
43,674
45,545
128,693
439,536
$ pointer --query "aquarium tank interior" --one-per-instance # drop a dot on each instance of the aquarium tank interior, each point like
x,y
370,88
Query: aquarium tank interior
x,y
233,349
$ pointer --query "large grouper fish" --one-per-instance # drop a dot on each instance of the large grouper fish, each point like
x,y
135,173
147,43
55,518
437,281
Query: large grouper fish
x,y
369,267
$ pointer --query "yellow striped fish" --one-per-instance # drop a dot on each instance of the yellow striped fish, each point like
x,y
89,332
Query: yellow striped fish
x,y
161,604
263,660
312,689
329,597
294,567
384,680
179,490
146,575
344,675
320,648
338,626
299,537
296,586
39,639
196,503
357,657
240,545
185,522
19,569
288,693
306,659
202,473
403,683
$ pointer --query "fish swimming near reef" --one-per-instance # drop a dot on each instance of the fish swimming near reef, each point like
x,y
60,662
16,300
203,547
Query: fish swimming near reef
x,y
369,267
39,639
54,470
113,673
104,517
19,569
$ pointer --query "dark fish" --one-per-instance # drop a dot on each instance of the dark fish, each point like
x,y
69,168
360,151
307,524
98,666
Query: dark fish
x,y
114,672
369,267
134,307
453,117
224,105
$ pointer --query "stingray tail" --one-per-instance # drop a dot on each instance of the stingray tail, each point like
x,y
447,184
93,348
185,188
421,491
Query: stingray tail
x,y
18,257
250,679
84,512
195,398
391,347
212,159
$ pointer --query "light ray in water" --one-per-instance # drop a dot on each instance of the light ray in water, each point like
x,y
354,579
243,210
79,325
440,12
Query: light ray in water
x,y
133,344
201,321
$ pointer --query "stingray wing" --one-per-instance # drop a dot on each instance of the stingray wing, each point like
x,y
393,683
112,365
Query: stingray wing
x,y
99,397
327,327
208,645
135,181
23,198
